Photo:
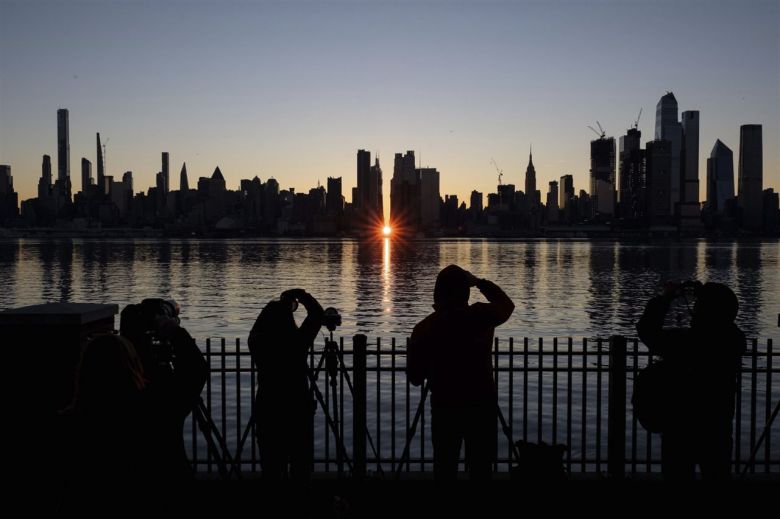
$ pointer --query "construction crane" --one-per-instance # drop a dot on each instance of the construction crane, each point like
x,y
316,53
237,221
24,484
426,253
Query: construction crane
x,y
500,171
636,123
600,134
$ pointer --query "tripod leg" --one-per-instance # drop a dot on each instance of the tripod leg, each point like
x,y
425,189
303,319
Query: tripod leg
x,y
413,430
508,432
329,420
352,392
237,458
210,431
752,460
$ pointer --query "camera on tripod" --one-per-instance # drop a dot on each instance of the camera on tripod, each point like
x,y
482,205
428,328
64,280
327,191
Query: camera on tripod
x,y
145,324
331,319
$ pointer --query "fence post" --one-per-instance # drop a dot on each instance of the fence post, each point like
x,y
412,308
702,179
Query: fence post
x,y
616,428
359,342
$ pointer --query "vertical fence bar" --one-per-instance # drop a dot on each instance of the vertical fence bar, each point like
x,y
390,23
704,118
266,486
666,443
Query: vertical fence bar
x,y
238,392
208,402
378,402
539,393
525,388
495,389
253,394
768,407
555,392
616,411
422,437
753,398
511,399
408,405
634,371
341,388
223,393
325,412
738,422
359,342
584,431
392,405
194,439
599,368
568,405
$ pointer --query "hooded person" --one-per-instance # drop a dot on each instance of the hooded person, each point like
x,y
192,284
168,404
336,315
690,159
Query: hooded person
x,y
452,349
702,363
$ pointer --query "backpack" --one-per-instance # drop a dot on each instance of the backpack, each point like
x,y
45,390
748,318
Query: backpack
x,y
653,396
539,462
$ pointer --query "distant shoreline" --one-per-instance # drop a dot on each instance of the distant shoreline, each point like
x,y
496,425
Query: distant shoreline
x,y
558,235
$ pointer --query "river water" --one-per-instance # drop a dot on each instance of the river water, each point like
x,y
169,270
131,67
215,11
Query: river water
x,y
579,289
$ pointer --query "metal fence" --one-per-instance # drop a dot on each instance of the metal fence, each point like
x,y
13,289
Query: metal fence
x,y
558,390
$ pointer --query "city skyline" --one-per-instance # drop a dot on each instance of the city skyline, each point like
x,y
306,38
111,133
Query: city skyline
x,y
495,97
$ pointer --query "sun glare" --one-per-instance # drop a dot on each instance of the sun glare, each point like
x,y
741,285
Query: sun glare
x,y
386,230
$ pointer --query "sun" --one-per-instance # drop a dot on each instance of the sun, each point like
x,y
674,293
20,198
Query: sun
x,y
386,230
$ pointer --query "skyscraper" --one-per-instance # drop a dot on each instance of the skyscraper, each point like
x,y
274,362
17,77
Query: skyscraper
x,y
334,203
668,128
127,182
369,189
101,173
476,202
429,197
720,177
9,200
62,187
632,175
44,184
552,202
86,175
566,191
602,176
184,184
530,181
659,209
751,173
63,145
405,193
375,191
690,211
165,173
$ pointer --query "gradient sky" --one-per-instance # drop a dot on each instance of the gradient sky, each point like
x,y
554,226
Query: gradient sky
x,y
292,90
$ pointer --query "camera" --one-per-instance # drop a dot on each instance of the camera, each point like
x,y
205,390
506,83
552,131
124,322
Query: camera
x,y
331,318
145,325
691,285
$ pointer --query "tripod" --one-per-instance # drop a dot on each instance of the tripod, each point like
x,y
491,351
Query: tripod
x,y
330,358
752,460
201,415
421,409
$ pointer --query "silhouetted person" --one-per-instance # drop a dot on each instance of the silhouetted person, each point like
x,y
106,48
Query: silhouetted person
x,y
702,364
452,349
102,437
175,372
284,407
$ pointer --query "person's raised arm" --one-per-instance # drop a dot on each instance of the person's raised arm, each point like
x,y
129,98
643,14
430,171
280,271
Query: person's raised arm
x,y
314,314
418,357
650,326
499,307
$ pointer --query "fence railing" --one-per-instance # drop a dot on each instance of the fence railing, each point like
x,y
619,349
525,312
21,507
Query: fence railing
x,y
555,390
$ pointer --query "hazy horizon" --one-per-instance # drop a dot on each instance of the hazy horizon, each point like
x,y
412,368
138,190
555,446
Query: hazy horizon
x,y
293,90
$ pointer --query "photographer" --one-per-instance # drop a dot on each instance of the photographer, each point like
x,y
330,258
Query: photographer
x,y
175,371
702,363
284,408
452,349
